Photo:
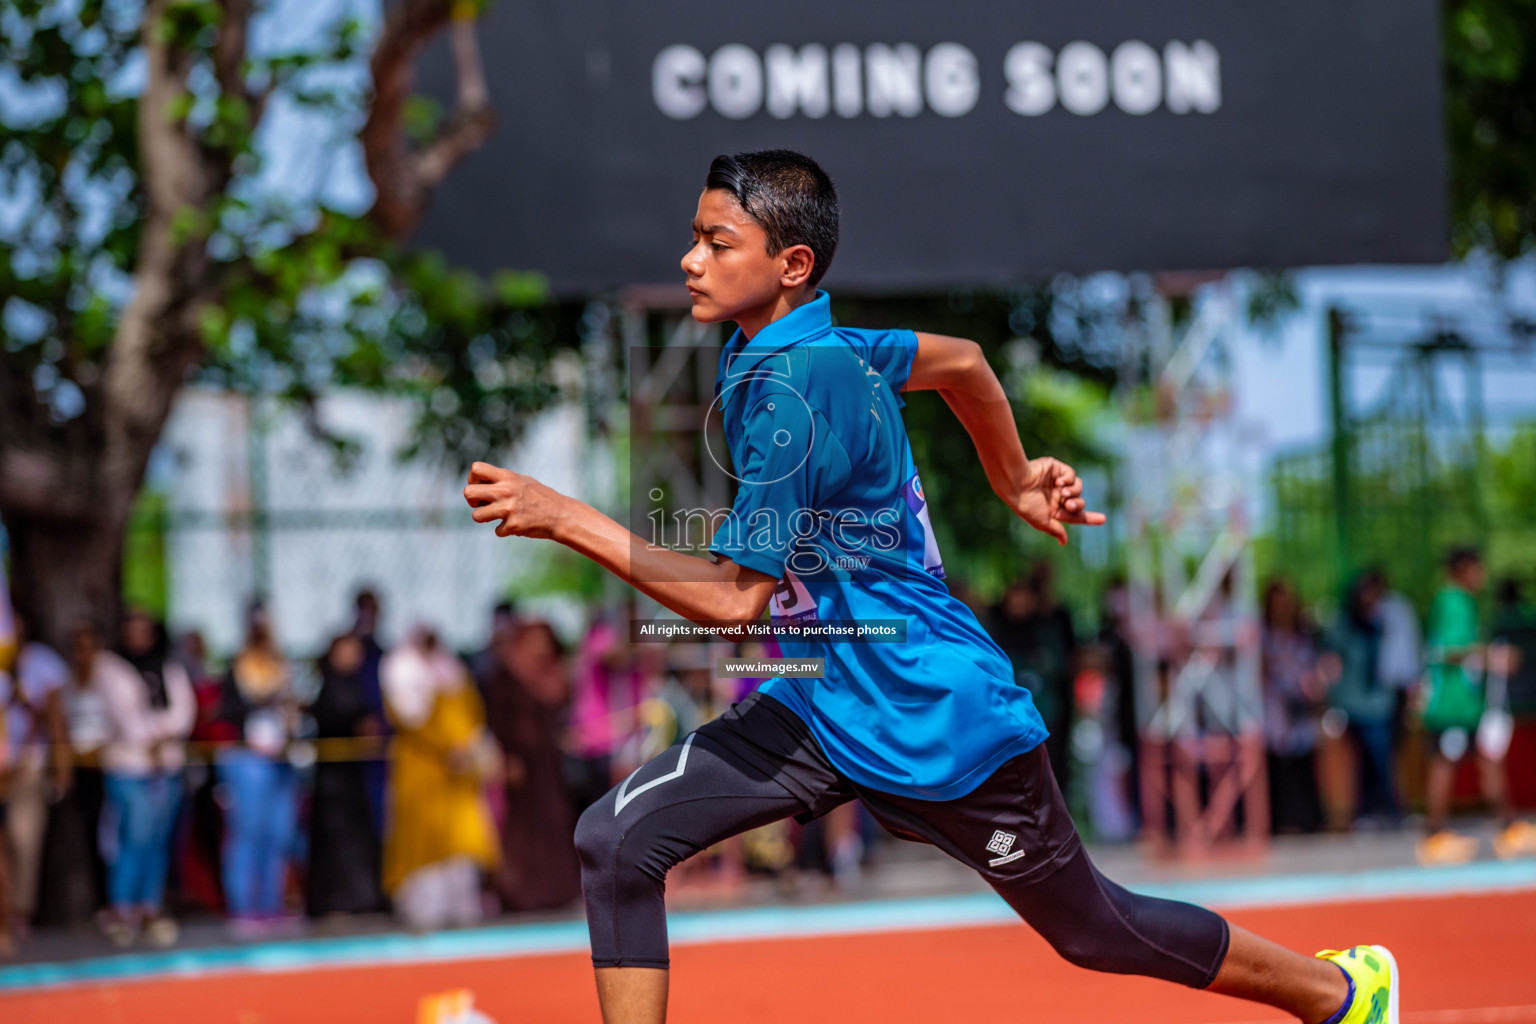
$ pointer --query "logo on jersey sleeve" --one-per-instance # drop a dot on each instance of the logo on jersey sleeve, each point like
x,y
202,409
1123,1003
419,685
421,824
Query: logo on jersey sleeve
x,y
912,490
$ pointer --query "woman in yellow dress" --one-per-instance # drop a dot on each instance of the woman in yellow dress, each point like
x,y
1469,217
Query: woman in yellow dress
x,y
440,835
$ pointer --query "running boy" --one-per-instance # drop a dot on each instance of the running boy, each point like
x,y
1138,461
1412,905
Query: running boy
x,y
830,523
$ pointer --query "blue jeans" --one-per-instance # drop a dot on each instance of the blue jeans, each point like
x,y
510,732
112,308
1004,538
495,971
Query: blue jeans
x,y
1378,788
144,808
259,831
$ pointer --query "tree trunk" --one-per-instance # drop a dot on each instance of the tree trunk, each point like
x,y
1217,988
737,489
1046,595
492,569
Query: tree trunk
x,y
66,571
66,501
65,496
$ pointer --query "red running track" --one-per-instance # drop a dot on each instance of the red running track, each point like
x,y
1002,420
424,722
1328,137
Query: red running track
x,y
1465,960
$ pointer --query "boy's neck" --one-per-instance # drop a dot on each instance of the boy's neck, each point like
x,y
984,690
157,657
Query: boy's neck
x,y
785,304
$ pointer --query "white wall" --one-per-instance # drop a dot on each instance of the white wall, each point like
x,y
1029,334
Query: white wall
x,y
445,570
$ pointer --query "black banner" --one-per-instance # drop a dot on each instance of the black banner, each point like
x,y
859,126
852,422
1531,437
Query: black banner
x,y
971,142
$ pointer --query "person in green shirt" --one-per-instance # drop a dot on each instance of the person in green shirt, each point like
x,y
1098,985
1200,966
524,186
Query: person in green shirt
x,y
1453,707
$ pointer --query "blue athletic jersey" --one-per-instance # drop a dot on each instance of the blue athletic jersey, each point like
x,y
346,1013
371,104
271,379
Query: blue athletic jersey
x,y
829,503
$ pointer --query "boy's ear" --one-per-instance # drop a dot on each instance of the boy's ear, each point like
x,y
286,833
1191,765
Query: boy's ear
x,y
798,261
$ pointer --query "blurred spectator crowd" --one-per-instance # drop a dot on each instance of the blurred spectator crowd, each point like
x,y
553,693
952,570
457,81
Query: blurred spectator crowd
x,y
143,783
1364,716
1362,711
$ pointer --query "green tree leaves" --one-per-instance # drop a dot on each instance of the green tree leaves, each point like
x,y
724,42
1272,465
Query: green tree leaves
x,y
1490,109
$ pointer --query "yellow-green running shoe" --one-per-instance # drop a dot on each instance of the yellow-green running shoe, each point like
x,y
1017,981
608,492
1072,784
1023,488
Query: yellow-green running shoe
x,y
1373,972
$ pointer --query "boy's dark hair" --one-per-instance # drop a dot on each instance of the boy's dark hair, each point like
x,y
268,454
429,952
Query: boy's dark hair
x,y
789,195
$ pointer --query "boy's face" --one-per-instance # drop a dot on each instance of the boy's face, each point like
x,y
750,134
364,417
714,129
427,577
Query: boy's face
x,y
1470,575
729,270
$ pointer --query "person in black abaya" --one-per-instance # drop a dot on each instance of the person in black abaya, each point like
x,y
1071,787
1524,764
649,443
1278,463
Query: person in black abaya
x,y
344,853
1037,635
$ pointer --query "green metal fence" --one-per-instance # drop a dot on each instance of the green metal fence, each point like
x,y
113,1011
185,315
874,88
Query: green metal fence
x,y
1424,466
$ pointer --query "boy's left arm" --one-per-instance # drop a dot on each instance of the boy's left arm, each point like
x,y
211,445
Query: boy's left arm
x,y
1044,492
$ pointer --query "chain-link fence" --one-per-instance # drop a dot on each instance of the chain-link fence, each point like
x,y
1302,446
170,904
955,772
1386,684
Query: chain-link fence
x,y
245,503
1428,462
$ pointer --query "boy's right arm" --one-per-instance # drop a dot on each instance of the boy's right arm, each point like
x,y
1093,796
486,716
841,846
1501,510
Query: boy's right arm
x,y
696,589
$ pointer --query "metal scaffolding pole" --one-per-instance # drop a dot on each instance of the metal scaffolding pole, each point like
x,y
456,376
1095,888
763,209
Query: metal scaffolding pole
x,y
673,440
1194,615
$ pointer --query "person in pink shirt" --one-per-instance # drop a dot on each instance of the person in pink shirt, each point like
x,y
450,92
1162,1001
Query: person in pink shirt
x,y
610,686
153,709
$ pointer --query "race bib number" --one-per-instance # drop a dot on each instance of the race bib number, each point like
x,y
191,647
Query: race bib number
x,y
792,600
918,504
